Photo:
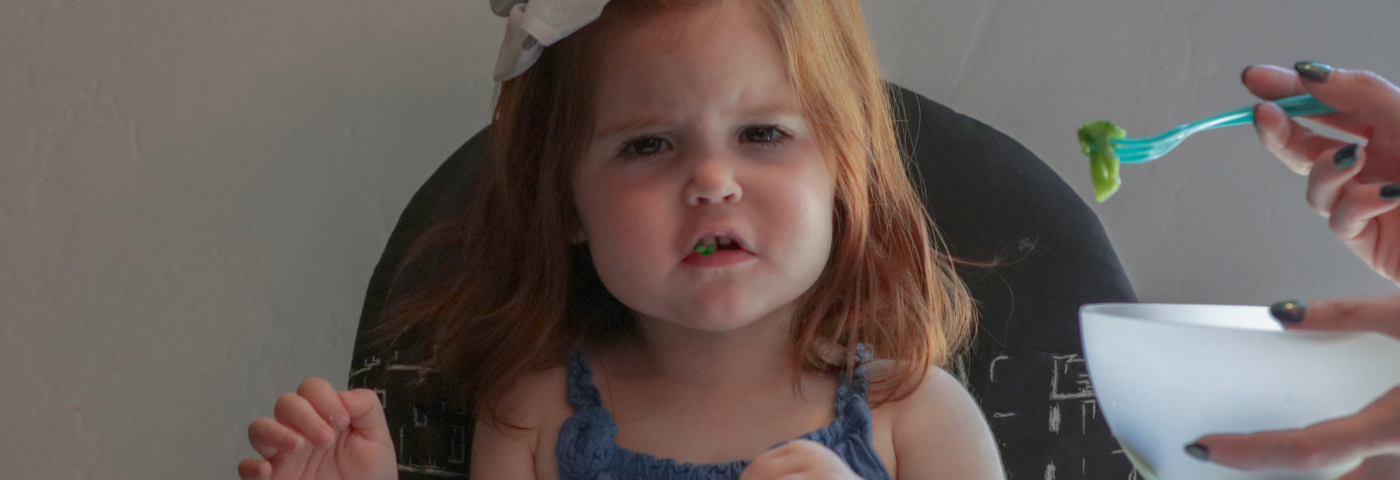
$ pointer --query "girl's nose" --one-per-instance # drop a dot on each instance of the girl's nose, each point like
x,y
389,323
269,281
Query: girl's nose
x,y
711,182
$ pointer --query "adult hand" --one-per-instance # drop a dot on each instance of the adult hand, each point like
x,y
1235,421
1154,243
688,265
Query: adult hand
x,y
321,434
799,459
1357,188
1372,435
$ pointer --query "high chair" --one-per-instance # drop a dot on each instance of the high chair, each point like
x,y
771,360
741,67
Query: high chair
x,y
991,198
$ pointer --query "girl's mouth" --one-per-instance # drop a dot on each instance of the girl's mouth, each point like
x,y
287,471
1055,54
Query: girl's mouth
x,y
717,250
713,243
716,238
718,258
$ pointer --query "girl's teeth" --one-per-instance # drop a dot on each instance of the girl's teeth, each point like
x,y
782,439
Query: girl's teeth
x,y
706,246
726,241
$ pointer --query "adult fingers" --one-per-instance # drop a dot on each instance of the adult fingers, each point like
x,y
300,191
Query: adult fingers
x,y
1384,467
1295,145
322,396
254,469
1271,82
1351,218
1332,170
1361,92
364,411
1380,315
1369,433
294,411
270,438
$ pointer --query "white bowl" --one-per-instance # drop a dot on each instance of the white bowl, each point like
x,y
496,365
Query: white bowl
x,y
1166,375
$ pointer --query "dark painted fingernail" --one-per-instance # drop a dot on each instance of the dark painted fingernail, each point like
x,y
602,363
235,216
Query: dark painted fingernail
x,y
1245,72
1198,452
1313,71
1345,158
1391,192
1289,312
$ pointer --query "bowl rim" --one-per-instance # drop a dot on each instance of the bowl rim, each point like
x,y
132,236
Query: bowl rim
x,y
1115,311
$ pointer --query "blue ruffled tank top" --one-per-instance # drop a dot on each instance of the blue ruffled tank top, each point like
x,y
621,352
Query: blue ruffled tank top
x,y
588,449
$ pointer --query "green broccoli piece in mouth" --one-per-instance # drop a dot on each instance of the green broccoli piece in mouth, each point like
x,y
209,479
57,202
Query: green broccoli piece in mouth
x,y
1096,141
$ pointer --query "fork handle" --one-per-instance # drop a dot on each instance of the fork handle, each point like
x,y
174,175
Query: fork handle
x,y
1299,106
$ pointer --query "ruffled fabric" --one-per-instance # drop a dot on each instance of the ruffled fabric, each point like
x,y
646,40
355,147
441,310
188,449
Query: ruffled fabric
x,y
588,450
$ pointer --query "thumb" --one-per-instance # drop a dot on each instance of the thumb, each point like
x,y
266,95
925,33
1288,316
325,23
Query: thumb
x,y
1367,434
1355,314
366,413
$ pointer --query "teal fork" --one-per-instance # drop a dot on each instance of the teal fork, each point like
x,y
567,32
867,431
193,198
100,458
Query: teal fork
x,y
1142,150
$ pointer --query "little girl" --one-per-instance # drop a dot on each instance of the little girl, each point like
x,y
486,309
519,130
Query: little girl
x,y
695,254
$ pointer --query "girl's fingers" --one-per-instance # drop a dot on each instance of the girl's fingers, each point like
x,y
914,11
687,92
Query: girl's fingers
x,y
294,411
1331,171
364,411
1295,145
798,458
322,396
771,464
1369,433
1358,205
270,438
254,469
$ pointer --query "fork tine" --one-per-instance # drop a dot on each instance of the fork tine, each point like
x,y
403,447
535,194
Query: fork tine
x,y
1137,141
1144,149
1138,158
1142,154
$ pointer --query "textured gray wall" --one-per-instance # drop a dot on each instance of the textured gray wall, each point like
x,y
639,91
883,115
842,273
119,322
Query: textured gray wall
x,y
193,193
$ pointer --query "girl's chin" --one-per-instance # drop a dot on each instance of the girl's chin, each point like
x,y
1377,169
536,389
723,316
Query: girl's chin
x,y
715,308
717,317
715,324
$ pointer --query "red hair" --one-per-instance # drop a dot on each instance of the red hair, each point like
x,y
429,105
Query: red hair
x,y
500,309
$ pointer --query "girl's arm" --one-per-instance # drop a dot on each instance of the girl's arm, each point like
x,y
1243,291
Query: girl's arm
x,y
535,404
940,433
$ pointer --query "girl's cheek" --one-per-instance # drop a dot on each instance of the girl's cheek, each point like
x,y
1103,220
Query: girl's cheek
x,y
634,221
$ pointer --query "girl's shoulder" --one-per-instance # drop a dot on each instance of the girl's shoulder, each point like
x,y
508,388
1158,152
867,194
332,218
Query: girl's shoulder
x,y
938,387
539,396
939,416
535,408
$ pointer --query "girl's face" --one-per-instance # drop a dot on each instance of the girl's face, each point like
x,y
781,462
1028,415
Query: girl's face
x,y
698,133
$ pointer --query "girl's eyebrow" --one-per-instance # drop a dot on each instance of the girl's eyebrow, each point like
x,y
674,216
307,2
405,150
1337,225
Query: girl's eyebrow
x,y
769,110
611,130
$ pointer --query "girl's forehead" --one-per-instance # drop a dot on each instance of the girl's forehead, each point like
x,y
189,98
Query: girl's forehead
x,y
717,56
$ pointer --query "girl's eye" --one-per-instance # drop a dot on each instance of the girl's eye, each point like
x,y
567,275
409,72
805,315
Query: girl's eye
x,y
763,134
644,146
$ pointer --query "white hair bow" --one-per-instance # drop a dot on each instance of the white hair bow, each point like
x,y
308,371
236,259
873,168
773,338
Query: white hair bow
x,y
535,24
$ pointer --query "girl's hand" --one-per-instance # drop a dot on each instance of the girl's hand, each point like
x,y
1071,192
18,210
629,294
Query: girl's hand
x,y
799,460
322,434
1356,188
1373,434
